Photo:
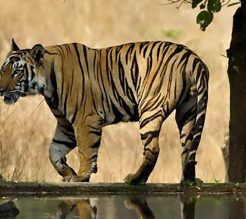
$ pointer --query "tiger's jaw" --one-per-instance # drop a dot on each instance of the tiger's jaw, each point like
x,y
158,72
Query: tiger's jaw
x,y
11,98
12,95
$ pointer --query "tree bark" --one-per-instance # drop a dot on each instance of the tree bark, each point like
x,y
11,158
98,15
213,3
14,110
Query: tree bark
x,y
237,79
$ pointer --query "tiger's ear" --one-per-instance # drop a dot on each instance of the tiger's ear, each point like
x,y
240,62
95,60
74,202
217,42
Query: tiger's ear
x,y
37,52
14,46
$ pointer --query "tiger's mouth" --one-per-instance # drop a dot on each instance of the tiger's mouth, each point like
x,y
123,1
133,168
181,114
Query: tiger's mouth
x,y
12,97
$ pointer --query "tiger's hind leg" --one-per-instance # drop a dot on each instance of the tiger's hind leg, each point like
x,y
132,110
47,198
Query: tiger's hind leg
x,y
149,131
190,129
63,142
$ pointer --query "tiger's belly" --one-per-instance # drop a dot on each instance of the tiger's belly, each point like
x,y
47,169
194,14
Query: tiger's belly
x,y
127,113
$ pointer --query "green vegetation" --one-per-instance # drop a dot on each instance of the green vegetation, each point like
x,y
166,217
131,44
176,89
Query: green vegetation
x,y
171,33
207,9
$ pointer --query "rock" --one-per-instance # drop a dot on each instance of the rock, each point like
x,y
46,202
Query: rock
x,y
8,209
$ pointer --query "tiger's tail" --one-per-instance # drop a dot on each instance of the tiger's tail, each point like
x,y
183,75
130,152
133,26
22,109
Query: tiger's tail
x,y
201,81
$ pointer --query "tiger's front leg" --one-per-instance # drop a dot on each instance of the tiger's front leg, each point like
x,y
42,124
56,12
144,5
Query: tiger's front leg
x,y
88,141
63,142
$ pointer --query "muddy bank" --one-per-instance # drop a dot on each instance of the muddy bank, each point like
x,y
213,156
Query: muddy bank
x,y
73,189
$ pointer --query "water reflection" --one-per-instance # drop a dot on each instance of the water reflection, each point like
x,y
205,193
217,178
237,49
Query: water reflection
x,y
85,209
141,207
238,209
138,207
188,206
133,207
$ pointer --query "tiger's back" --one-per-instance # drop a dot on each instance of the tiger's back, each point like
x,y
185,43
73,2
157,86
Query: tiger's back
x,y
122,78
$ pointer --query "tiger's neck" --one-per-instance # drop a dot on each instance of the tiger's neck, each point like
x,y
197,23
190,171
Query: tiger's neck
x,y
44,76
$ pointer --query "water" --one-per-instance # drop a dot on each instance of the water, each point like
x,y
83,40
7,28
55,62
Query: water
x,y
131,207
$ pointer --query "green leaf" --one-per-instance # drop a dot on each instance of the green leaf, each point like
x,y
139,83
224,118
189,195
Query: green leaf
x,y
204,18
195,3
214,5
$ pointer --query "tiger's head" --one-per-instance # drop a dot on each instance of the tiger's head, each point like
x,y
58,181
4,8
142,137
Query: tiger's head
x,y
18,74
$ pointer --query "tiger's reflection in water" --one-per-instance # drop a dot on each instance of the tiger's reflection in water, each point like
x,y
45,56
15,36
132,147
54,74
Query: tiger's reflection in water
x,y
141,207
133,207
84,207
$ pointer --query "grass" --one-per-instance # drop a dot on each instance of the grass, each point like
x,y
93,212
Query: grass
x,y
26,128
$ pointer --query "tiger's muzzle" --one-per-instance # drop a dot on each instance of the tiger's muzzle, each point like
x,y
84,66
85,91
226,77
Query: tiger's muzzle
x,y
11,98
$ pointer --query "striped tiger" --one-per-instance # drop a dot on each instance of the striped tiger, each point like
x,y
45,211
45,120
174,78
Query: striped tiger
x,y
87,89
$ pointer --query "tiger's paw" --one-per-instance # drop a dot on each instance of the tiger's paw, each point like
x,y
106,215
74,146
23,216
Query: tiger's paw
x,y
74,178
132,179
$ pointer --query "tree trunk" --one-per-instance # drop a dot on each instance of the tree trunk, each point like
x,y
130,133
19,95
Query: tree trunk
x,y
237,80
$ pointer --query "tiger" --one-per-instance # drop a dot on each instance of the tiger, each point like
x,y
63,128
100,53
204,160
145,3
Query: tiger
x,y
87,89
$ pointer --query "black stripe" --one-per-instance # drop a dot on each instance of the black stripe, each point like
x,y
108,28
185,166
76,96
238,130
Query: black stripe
x,y
68,133
96,132
152,134
184,59
97,144
129,52
158,51
67,144
195,62
117,49
82,72
150,119
121,73
152,47
74,113
149,136
108,62
93,75
67,48
94,157
145,50
184,84
53,102
155,104
130,95
134,70
101,85
142,45
118,115
85,57
65,105
66,125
